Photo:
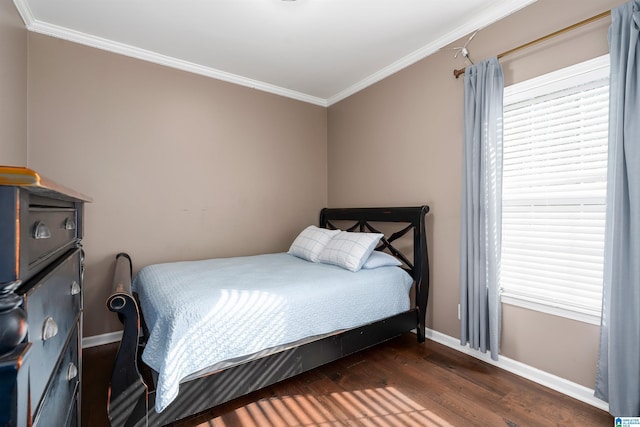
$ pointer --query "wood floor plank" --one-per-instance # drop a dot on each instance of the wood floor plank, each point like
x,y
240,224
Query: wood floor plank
x,y
399,383
427,385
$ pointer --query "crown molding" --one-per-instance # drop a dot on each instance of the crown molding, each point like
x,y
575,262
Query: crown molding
x,y
56,31
481,20
25,12
156,58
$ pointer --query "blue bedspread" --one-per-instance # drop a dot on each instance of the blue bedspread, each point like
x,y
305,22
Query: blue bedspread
x,y
203,312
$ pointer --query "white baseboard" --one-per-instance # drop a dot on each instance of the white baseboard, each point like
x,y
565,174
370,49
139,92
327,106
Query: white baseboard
x,y
561,385
96,340
546,379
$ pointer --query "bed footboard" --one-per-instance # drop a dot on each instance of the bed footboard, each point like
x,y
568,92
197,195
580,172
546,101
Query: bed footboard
x,y
128,392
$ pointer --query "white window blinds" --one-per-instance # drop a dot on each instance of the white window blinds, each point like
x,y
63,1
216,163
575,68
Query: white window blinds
x,y
554,191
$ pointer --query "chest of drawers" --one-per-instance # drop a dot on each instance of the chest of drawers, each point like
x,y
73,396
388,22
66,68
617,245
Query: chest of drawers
x,y
41,277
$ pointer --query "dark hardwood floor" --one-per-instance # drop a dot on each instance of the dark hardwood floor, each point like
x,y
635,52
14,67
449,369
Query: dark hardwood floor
x,y
399,383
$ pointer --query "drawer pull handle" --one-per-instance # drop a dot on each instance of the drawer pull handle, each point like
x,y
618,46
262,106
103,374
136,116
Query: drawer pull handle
x,y
75,288
72,372
50,329
69,224
81,264
41,231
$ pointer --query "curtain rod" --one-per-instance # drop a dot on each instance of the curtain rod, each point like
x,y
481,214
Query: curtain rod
x,y
459,72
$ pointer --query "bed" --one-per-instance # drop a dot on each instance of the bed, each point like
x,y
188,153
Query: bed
x,y
192,340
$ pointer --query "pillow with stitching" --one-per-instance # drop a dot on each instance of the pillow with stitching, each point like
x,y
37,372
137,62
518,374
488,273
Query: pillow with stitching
x,y
310,242
349,250
381,259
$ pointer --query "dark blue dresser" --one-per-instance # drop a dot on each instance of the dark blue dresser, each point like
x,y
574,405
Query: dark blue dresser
x,y
41,274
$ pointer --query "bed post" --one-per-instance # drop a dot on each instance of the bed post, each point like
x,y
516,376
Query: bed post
x,y
127,390
422,271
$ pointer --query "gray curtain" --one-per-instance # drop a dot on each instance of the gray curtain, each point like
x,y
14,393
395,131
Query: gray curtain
x,y
618,377
481,220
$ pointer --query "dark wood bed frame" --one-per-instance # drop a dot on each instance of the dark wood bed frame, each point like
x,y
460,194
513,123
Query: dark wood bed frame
x,y
131,392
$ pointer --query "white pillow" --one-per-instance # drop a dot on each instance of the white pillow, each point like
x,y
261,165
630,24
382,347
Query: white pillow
x,y
310,242
381,259
349,250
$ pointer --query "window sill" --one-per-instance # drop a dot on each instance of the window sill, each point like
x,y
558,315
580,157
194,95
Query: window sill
x,y
531,304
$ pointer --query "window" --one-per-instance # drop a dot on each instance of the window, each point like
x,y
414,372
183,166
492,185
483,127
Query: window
x,y
554,191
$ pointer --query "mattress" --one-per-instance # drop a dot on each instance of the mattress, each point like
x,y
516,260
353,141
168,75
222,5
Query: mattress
x,y
200,313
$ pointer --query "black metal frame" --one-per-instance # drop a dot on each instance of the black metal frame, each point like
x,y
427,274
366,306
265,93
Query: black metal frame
x,y
131,395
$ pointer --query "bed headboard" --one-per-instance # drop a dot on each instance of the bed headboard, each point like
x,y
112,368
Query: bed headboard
x,y
409,219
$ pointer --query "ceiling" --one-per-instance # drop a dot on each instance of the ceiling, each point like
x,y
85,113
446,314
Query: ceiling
x,y
317,51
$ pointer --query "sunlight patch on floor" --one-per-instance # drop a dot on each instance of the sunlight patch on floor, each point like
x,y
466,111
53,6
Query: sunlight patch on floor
x,y
371,407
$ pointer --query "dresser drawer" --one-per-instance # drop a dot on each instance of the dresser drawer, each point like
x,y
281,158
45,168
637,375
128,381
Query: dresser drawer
x,y
53,305
35,231
48,231
59,399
